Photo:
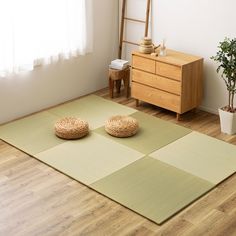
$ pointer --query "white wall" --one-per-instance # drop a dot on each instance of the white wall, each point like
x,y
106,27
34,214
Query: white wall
x,y
196,27
50,85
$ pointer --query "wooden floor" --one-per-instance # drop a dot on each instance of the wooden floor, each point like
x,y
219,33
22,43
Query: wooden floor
x,y
37,200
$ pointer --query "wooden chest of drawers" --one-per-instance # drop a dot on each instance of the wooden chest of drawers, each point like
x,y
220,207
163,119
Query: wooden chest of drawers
x,y
173,82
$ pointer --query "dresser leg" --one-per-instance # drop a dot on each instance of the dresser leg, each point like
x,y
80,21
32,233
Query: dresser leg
x,y
137,102
177,116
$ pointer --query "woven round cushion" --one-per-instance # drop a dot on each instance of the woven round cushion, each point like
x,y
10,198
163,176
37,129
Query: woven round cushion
x,y
71,128
121,126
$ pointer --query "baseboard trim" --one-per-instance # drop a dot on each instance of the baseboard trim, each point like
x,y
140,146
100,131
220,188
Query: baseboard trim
x,y
210,110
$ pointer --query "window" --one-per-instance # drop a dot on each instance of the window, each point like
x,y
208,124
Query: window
x,y
40,31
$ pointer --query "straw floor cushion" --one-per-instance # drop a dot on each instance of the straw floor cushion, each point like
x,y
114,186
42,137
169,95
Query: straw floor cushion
x,y
121,126
71,128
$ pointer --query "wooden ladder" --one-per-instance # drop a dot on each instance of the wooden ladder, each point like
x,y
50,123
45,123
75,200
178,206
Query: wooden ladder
x,y
124,18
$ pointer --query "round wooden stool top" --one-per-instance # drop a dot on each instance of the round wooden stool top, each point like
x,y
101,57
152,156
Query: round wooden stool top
x,y
119,74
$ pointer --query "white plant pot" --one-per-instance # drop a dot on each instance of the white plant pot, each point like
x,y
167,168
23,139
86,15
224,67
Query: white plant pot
x,y
227,122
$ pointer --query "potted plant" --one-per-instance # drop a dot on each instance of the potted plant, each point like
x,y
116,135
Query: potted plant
x,y
226,57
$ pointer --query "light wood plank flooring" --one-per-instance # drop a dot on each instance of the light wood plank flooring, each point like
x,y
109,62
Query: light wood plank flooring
x,y
37,200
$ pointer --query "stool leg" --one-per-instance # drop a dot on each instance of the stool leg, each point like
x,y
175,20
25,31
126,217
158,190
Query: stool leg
x,y
111,87
126,85
118,85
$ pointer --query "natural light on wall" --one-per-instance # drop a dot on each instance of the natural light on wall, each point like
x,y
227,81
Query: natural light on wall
x,y
35,32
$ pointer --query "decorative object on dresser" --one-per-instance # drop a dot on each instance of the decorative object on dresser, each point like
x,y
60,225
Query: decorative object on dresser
x,y
226,57
163,48
173,82
146,46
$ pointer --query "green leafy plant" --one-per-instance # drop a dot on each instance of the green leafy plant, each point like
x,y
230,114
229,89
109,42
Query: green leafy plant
x,y
226,57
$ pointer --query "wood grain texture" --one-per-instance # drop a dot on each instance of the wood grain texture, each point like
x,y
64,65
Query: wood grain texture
x,y
156,81
37,200
144,64
147,17
192,85
172,57
122,23
168,70
177,73
156,96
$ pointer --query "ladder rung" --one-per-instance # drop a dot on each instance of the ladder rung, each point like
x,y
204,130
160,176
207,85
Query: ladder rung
x,y
125,41
135,20
123,19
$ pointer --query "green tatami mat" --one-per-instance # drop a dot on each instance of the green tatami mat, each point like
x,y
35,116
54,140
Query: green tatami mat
x,y
32,134
200,155
152,188
89,159
93,109
156,173
153,134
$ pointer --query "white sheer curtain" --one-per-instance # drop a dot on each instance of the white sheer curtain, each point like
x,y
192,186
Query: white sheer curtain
x,y
40,31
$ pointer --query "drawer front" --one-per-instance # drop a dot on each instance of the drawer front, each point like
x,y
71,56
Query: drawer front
x,y
156,97
143,64
168,70
156,81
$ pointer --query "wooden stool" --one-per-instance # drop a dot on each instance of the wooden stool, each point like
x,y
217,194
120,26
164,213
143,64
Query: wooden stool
x,y
116,77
